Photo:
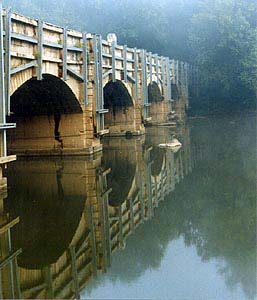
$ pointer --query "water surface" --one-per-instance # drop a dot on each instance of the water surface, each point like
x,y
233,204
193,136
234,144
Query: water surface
x,y
140,222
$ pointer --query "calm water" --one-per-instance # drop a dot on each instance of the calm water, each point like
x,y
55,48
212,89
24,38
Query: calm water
x,y
138,222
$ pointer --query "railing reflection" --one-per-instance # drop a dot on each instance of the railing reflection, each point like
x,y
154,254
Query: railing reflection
x,y
72,214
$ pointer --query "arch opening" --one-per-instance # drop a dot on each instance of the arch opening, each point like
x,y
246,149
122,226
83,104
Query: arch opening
x,y
157,109
154,93
49,96
48,117
121,111
116,95
175,92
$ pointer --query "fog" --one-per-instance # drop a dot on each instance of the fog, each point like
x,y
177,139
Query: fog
x,y
219,37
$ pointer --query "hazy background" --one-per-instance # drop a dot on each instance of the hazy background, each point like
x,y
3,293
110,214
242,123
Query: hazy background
x,y
219,36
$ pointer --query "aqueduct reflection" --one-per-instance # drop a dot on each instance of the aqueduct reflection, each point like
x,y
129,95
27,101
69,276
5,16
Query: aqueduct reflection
x,y
76,216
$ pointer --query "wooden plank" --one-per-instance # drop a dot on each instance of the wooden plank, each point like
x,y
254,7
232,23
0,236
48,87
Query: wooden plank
x,y
17,279
23,38
49,283
121,238
149,186
93,241
23,67
131,209
151,71
9,258
136,73
74,49
64,58
52,45
125,62
113,62
85,72
4,227
106,74
1,288
40,50
8,58
2,83
75,74
131,79
74,272
107,226
7,125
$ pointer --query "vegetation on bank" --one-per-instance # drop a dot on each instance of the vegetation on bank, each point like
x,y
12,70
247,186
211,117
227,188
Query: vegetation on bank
x,y
218,36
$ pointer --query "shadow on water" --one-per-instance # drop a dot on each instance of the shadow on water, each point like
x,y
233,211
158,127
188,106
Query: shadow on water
x,y
119,156
48,206
212,208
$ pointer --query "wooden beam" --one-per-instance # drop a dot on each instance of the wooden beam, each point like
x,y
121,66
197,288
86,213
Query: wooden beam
x,y
7,125
24,38
113,63
20,68
75,74
85,63
64,57
40,50
136,73
9,258
125,62
8,58
4,227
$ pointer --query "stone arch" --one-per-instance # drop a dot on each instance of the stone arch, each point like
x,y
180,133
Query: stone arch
x,y
48,96
180,101
116,95
49,118
154,93
122,116
157,109
175,92
18,79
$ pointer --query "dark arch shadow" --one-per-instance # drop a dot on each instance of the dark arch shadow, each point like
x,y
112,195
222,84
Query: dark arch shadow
x,y
116,95
175,92
49,96
122,174
49,216
156,156
154,93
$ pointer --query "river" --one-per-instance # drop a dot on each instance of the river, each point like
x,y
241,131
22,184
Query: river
x,y
137,221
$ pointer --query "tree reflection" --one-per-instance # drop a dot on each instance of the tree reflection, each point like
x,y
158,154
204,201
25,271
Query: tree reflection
x,y
213,209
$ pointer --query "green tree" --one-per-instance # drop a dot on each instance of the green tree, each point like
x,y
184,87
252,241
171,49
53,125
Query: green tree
x,y
223,39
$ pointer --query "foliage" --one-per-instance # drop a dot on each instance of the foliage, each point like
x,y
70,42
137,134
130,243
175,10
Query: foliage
x,y
223,39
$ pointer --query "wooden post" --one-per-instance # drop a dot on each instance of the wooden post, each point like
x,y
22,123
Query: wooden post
x,y
74,272
2,86
93,240
40,50
64,58
49,283
136,73
85,65
8,58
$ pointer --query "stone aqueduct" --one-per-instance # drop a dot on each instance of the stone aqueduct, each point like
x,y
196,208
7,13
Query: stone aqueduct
x,y
61,90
